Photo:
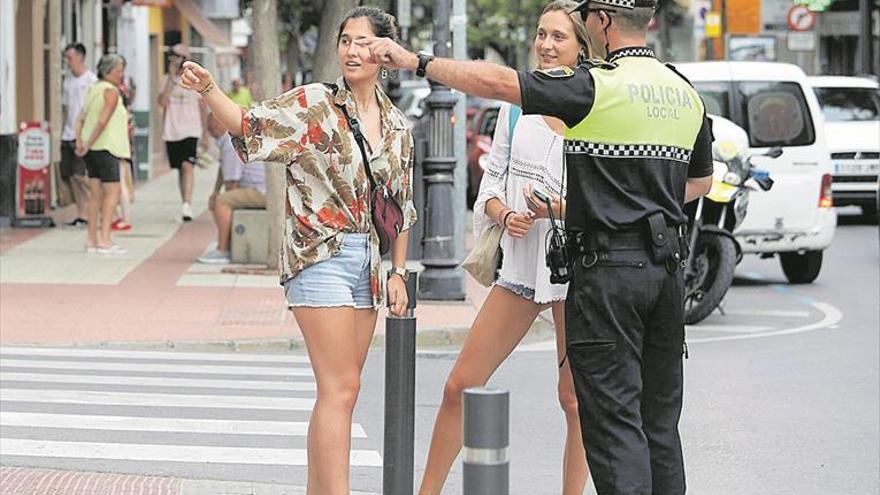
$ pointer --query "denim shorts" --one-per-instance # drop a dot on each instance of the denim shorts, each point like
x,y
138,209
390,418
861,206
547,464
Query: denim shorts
x,y
518,289
343,280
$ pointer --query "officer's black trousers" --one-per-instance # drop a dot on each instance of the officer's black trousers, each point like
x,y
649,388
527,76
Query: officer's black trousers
x,y
625,335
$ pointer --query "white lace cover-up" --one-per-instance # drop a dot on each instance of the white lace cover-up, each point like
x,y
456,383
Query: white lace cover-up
x,y
536,159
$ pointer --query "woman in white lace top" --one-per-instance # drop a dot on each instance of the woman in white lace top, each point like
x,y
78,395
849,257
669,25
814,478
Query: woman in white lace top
x,y
530,158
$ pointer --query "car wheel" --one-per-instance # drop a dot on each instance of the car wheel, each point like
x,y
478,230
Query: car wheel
x,y
801,268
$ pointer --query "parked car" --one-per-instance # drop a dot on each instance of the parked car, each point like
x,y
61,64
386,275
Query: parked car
x,y
776,106
479,142
851,106
411,96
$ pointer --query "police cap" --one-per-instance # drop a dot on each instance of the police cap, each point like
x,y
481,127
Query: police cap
x,y
613,4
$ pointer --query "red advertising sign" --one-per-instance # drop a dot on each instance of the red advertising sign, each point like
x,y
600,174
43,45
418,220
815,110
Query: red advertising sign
x,y
33,186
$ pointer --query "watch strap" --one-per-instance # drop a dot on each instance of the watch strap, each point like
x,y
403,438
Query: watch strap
x,y
424,60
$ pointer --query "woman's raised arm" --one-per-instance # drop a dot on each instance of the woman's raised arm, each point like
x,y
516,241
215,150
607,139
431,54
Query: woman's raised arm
x,y
197,78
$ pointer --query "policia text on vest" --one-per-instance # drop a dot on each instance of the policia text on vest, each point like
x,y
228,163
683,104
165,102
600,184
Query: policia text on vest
x,y
636,132
661,102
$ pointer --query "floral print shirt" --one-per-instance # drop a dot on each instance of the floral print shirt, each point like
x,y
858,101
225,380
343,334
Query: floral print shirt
x,y
327,186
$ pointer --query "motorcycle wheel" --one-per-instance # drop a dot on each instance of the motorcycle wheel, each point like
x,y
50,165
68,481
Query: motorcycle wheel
x,y
712,273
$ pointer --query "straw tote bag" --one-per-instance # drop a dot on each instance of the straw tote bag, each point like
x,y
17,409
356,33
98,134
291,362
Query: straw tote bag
x,y
482,262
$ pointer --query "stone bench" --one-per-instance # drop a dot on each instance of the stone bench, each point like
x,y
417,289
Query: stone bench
x,y
250,236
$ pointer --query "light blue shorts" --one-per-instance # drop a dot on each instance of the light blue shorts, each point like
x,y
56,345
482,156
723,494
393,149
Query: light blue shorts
x,y
343,280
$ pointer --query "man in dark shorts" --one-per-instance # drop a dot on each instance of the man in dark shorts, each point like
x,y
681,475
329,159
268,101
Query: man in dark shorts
x,y
183,126
73,168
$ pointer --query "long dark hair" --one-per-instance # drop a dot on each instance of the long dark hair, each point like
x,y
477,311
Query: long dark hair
x,y
384,25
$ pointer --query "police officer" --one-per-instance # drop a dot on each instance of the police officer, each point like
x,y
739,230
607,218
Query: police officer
x,y
637,147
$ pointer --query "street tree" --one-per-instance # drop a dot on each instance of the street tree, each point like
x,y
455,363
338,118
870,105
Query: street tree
x,y
267,84
325,66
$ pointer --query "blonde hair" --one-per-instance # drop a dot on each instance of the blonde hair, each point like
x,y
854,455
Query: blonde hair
x,y
580,29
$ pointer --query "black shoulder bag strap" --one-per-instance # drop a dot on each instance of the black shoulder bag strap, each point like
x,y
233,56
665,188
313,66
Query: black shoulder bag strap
x,y
358,136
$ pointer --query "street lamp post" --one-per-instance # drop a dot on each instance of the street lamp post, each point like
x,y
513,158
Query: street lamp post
x,y
442,279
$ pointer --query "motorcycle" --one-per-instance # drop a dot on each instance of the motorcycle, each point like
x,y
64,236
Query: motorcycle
x,y
714,251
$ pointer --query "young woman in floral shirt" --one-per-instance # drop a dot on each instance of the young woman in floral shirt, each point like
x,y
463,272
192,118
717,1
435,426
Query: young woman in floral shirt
x,y
330,262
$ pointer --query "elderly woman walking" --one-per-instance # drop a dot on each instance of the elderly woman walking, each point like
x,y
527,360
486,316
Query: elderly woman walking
x,y
102,140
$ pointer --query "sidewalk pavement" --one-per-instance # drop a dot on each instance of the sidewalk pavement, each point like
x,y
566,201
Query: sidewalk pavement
x,y
36,481
52,292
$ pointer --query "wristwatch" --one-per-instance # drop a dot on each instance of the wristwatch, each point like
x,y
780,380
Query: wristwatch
x,y
404,274
424,60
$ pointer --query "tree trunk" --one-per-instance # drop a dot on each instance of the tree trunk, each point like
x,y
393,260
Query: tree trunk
x,y
292,52
326,66
267,84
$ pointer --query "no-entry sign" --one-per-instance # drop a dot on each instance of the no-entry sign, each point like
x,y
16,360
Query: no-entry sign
x,y
801,18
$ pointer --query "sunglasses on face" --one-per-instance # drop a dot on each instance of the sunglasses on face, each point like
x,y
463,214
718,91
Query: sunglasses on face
x,y
586,13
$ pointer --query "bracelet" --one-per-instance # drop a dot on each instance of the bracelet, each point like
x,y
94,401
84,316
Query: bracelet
x,y
500,216
207,89
506,216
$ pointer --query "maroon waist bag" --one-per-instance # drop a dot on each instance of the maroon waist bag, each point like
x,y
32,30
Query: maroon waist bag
x,y
386,213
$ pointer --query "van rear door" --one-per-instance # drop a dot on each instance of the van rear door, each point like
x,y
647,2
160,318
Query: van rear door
x,y
777,113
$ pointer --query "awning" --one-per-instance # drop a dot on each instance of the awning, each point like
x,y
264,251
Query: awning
x,y
212,34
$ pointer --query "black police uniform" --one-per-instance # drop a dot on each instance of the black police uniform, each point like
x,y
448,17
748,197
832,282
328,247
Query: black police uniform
x,y
636,131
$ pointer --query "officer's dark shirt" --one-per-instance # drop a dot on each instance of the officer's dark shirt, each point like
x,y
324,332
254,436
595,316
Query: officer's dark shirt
x,y
610,185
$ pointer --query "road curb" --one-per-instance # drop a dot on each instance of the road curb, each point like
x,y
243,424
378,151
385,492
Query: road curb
x,y
429,339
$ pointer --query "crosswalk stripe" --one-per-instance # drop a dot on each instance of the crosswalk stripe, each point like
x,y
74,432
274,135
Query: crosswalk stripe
x,y
172,453
178,368
299,386
158,355
155,400
165,425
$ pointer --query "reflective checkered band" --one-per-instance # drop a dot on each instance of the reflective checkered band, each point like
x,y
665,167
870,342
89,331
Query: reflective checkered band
x,y
628,150
626,4
642,51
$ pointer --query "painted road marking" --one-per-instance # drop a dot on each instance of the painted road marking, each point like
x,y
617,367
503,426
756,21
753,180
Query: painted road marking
x,y
171,453
278,386
165,425
831,317
766,312
176,368
158,400
157,355
729,328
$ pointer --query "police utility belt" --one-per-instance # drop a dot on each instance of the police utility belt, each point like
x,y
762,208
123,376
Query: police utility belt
x,y
666,243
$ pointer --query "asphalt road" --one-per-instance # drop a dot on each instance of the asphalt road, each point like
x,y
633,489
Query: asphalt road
x,y
781,398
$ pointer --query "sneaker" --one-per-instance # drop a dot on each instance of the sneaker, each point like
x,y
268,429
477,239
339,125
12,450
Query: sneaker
x,y
79,222
214,257
186,212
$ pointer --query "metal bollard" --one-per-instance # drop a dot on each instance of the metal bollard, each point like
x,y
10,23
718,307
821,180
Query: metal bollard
x,y
400,393
486,439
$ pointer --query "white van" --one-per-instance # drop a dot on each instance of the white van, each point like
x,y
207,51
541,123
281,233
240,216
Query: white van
x,y
776,106
851,106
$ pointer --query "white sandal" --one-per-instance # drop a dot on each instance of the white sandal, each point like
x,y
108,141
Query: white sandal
x,y
113,249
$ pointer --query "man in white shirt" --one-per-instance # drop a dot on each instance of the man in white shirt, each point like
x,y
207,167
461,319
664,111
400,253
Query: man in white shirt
x,y
73,168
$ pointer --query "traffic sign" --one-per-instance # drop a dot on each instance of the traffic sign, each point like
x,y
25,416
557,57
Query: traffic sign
x,y
801,18
713,25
